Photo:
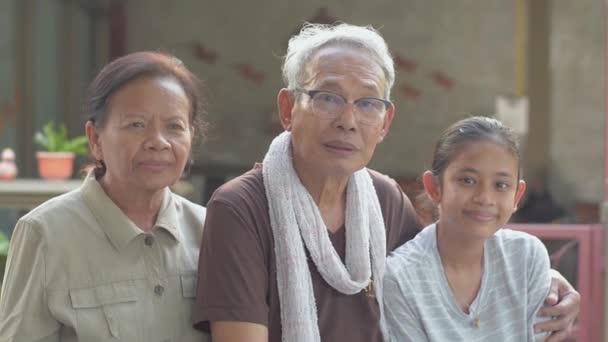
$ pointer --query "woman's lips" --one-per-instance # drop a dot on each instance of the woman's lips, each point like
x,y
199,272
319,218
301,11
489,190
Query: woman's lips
x,y
154,165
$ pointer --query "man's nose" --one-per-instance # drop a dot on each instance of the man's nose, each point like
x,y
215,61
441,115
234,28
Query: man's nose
x,y
347,118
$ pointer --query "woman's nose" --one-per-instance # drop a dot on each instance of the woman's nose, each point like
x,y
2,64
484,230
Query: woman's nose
x,y
156,140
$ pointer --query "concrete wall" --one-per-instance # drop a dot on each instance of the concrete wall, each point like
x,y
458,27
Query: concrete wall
x,y
470,42
49,49
577,45
8,90
8,77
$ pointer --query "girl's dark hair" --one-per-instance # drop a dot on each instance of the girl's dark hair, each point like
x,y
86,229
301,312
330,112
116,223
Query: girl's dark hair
x,y
136,66
469,130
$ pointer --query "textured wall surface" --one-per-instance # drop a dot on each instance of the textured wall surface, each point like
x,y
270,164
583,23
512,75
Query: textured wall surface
x,y
453,59
469,44
8,55
577,99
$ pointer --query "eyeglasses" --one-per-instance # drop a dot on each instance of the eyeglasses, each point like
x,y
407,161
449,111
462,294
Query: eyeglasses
x,y
329,105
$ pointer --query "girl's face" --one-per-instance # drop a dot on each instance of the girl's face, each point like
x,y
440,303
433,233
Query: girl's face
x,y
479,190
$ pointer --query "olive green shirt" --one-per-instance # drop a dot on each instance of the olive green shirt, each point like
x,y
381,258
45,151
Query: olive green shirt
x,y
80,270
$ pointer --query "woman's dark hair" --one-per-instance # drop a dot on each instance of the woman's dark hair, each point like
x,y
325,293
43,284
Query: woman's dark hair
x,y
469,130
136,66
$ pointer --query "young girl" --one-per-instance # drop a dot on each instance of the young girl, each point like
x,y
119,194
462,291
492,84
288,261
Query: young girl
x,y
464,278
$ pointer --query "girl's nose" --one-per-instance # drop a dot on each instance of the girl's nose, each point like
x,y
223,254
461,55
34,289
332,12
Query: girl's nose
x,y
484,197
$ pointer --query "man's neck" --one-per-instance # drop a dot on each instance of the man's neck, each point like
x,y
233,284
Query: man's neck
x,y
328,193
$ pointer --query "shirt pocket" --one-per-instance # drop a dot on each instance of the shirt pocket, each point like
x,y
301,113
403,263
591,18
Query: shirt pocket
x,y
188,285
105,312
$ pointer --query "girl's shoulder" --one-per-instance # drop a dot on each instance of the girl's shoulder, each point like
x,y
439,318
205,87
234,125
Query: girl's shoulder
x,y
517,242
510,236
414,253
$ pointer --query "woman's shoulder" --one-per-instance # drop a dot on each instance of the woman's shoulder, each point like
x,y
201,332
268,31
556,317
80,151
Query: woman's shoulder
x,y
55,219
57,208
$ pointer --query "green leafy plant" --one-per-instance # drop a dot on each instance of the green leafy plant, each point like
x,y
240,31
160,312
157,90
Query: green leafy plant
x,y
3,254
3,245
55,139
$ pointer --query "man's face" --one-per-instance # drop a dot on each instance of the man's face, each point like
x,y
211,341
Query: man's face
x,y
341,145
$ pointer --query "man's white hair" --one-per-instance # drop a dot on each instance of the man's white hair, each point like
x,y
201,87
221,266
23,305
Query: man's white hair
x,y
313,37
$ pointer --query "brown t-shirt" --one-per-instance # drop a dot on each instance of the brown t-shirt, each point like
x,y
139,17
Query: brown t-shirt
x,y
237,266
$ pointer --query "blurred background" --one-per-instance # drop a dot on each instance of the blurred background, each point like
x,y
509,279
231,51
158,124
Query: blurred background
x,y
537,64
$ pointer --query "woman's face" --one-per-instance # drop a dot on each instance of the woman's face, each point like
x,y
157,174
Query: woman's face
x,y
147,136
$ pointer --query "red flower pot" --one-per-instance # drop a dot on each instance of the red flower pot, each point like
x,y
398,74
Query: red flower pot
x,y
55,165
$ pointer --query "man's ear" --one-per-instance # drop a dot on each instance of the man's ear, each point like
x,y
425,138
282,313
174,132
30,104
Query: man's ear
x,y
386,124
285,103
93,138
521,189
432,186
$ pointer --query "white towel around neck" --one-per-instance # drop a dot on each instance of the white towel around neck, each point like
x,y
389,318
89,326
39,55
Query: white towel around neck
x,y
297,226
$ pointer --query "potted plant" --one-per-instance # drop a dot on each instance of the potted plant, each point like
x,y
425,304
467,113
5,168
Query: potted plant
x,y
57,159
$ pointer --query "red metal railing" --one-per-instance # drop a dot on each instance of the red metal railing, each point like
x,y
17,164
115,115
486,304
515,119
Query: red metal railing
x,y
588,239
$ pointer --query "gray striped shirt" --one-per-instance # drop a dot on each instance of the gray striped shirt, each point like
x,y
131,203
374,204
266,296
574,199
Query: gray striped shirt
x,y
420,306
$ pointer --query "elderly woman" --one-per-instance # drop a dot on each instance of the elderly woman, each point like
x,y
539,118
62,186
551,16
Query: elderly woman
x,y
116,259
294,250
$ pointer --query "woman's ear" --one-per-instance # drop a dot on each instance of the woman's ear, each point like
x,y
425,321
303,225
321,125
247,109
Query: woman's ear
x,y
93,138
432,186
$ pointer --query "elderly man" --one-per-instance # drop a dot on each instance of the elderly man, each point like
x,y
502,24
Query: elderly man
x,y
294,249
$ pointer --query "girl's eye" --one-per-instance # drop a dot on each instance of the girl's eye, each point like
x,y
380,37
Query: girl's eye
x,y
467,181
502,186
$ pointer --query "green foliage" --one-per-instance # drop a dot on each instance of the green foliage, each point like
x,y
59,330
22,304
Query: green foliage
x,y
3,245
3,254
55,139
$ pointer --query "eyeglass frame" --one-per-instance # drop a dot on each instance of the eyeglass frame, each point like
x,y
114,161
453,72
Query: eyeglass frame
x,y
311,93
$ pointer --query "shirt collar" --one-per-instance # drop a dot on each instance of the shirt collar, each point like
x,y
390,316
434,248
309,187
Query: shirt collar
x,y
168,218
119,229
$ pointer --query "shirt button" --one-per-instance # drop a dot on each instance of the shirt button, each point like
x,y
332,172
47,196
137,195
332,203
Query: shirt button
x,y
158,289
149,240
